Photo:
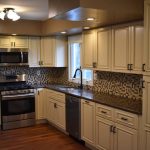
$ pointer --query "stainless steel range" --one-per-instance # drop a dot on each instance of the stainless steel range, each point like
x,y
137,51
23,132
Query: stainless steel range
x,y
17,103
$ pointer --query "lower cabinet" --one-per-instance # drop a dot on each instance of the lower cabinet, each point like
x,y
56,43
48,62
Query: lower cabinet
x,y
40,104
146,143
111,135
56,108
88,121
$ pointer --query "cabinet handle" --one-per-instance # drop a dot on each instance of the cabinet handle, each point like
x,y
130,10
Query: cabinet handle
x,y
143,67
114,129
87,102
55,105
111,128
124,119
128,66
39,62
143,84
14,44
94,64
131,66
11,44
104,112
38,92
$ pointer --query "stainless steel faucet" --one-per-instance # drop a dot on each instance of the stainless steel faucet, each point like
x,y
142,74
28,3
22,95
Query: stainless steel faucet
x,y
79,69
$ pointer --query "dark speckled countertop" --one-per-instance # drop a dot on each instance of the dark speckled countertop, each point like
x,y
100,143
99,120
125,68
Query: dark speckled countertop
x,y
126,104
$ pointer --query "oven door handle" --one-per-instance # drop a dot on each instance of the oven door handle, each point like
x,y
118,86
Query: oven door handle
x,y
18,96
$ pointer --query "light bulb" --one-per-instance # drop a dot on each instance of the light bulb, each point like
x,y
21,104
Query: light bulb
x,y
2,15
11,14
16,17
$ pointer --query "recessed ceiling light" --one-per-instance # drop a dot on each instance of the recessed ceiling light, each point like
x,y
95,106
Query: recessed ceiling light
x,y
90,19
86,28
14,34
63,32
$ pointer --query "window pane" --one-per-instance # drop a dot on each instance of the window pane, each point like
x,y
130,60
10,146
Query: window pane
x,y
87,74
75,58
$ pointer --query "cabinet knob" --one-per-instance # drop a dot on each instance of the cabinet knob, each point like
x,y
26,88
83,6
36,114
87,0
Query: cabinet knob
x,y
128,66
124,119
94,64
131,66
104,112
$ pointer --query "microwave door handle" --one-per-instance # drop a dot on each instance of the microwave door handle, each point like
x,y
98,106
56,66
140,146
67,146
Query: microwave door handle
x,y
21,57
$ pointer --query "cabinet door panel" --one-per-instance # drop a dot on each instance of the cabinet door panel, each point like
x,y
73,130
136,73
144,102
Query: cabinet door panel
x,y
21,42
34,51
147,139
120,49
104,49
60,115
104,138
89,48
137,48
125,138
88,121
5,41
47,51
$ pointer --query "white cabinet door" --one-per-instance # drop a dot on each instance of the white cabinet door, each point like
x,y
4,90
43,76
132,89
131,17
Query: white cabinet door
x,y
104,49
146,101
60,115
51,112
120,48
125,138
88,121
104,136
47,51
40,101
34,51
89,48
20,42
5,41
147,36
137,47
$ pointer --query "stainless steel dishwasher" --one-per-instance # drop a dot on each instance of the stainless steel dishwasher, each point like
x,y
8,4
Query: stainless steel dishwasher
x,y
73,116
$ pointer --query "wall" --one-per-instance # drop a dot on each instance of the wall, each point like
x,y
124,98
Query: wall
x,y
121,84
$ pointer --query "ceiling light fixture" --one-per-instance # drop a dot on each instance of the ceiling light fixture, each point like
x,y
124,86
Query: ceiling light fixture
x,y
86,28
11,14
90,19
63,32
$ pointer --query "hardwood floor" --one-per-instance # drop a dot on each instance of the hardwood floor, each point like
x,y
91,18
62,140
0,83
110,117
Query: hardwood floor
x,y
39,137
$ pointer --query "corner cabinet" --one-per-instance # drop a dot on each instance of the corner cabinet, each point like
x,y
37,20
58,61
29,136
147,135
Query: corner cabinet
x,y
146,114
88,121
147,37
13,42
53,51
34,51
89,49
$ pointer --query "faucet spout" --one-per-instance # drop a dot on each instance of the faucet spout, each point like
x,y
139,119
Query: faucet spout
x,y
79,69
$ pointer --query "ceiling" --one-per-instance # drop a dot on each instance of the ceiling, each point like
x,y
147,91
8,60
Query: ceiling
x,y
28,9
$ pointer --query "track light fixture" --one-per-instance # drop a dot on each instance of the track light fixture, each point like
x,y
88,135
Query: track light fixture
x,y
11,14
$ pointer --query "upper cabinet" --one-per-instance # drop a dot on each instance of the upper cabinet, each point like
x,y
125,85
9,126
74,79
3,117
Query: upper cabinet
x,y
53,51
104,49
34,51
13,42
127,49
89,49
147,37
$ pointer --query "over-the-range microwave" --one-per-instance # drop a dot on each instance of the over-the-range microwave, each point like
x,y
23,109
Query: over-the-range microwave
x,y
9,57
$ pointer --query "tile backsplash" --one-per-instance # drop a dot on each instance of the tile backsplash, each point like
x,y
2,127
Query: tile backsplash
x,y
121,84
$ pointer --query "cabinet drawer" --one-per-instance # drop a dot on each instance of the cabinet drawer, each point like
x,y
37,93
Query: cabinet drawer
x,y
56,95
127,119
104,111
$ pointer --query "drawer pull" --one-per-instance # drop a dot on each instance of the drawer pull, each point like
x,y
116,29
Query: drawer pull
x,y
124,119
104,112
111,128
114,129
87,102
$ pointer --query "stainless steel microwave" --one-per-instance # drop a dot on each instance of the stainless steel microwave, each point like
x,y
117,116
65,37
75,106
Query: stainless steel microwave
x,y
11,56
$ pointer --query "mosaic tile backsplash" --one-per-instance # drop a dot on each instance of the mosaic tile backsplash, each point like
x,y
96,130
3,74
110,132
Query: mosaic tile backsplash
x,y
120,84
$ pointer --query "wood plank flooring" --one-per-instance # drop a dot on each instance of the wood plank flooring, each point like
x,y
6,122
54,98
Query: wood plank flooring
x,y
39,137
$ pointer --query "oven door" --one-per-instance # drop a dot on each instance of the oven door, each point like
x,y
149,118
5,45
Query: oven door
x,y
17,104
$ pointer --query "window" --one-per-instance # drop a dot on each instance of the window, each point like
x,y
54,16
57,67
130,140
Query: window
x,y
75,62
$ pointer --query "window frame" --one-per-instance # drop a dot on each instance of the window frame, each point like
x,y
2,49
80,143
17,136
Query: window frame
x,y
71,40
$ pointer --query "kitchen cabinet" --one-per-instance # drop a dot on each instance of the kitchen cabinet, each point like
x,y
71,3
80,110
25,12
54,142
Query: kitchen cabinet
x,y
147,37
104,49
14,42
56,108
40,104
88,121
146,114
127,48
53,51
34,51
89,49
114,127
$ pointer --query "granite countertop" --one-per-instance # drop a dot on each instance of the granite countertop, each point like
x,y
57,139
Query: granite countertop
x,y
126,104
